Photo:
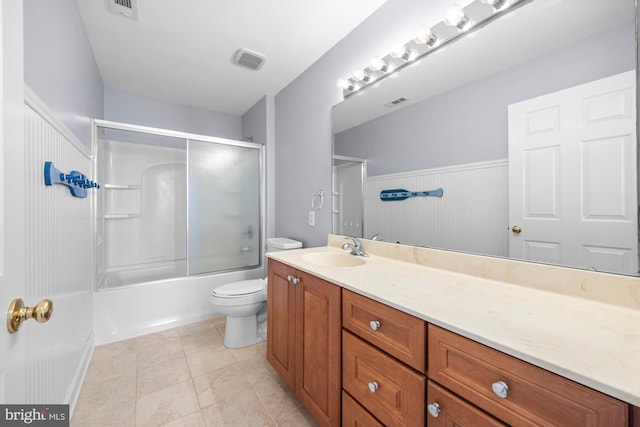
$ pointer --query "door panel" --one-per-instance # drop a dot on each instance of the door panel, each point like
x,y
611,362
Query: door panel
x,y
12,224
572,177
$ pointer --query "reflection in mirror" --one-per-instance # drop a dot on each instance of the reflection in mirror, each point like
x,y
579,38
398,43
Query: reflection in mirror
x,y
347,186
471,107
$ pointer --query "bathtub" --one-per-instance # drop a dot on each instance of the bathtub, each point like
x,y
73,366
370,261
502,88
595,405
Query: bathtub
x,y
123,310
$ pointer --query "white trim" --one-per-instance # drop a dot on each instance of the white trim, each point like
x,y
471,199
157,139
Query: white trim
x,y
444,169
40,107
73,392
348,158
174,133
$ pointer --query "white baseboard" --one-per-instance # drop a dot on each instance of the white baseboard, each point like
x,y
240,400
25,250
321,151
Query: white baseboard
x,y
76,385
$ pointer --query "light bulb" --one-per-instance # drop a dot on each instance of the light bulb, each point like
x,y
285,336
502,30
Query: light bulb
x,y
358,75
378,64
497,4
400,52
346,84
423,35
455,17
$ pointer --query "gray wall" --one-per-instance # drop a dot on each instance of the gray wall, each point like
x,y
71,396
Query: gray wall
x,y
469,124
258,123
302,114
59,65
138,110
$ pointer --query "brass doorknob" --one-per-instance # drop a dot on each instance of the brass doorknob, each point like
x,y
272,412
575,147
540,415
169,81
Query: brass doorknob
x,y
516,229
18,313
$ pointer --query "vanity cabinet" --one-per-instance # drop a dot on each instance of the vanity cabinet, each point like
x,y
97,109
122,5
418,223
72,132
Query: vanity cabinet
x,y
353,361
388,389
446,409
401,335
304,338
383,361
515,391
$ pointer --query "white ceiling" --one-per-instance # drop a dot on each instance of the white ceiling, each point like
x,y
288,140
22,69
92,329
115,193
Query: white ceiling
x,y
182,51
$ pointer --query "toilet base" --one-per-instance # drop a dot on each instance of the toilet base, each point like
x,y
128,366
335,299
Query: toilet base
x,y
242,332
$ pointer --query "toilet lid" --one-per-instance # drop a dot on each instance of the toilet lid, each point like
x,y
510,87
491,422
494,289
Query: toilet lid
x,y
244,287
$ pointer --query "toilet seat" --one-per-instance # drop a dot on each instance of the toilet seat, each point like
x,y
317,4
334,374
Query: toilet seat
x,y
240,289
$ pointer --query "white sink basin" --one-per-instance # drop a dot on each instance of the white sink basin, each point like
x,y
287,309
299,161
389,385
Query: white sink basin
x,y
333,259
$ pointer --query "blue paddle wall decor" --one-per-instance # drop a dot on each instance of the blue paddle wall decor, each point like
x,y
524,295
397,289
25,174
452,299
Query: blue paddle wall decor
x,y
77,182
402,194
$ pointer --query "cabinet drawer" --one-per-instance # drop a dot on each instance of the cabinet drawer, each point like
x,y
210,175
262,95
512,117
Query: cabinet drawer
x,y
354,415
534,397
392,392
399,334
453,411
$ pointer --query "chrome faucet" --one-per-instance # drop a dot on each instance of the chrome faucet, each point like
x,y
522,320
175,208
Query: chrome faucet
x,y
356,247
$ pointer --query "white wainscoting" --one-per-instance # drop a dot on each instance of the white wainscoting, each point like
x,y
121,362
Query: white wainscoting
x,y
472,215
59,260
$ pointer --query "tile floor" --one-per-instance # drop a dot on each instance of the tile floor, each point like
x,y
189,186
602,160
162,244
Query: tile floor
x,y
185,377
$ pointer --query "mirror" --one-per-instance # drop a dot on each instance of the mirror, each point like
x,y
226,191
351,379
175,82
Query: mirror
x,y
444,123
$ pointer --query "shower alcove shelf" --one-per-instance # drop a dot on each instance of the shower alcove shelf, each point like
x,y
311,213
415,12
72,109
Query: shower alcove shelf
x,y
158,181
121,215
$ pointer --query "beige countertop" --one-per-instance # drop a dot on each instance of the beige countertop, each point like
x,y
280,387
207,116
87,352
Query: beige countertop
x,y
587,331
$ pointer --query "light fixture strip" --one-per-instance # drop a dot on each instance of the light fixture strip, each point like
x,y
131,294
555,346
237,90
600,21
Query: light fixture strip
x,y
479,13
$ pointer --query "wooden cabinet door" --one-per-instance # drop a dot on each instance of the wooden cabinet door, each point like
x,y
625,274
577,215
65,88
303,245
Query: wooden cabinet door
x,y
446,410
318,348
390,390
281,322
354,415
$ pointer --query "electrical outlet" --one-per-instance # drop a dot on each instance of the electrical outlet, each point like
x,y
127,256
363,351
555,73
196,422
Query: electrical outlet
x,y
312,218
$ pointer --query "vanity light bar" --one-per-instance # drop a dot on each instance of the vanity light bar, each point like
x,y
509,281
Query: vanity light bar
x,y
459,21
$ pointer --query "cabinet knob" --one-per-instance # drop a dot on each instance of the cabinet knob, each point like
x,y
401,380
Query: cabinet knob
x,y
434,409
373,386
374,325
500,388
296,280
289,278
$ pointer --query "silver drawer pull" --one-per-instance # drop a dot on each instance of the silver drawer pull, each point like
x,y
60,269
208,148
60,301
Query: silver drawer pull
x,y
434,409
296,280
373,386
374,325
289,278
500,388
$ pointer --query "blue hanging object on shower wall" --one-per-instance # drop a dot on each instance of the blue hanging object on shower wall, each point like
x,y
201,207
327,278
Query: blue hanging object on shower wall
x,y
402,194
77,182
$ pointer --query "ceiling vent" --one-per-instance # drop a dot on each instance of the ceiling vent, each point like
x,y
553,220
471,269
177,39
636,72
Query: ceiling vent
x,y
126,8
248,59
396,102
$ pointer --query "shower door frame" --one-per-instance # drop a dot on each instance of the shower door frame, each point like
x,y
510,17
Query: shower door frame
x,y
99,123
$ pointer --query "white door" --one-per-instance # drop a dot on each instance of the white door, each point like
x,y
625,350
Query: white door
x,y
12,247
572,177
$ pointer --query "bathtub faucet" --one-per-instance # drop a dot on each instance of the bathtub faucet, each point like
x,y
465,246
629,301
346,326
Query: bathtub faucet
x,y
356,247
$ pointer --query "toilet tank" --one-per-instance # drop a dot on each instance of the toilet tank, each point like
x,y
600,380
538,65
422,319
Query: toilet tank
x,y
275,244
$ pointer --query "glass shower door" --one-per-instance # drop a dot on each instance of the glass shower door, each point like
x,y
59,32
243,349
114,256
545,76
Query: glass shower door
x,y
223,206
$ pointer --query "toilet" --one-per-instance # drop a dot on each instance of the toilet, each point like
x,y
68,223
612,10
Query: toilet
x,y
245,303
